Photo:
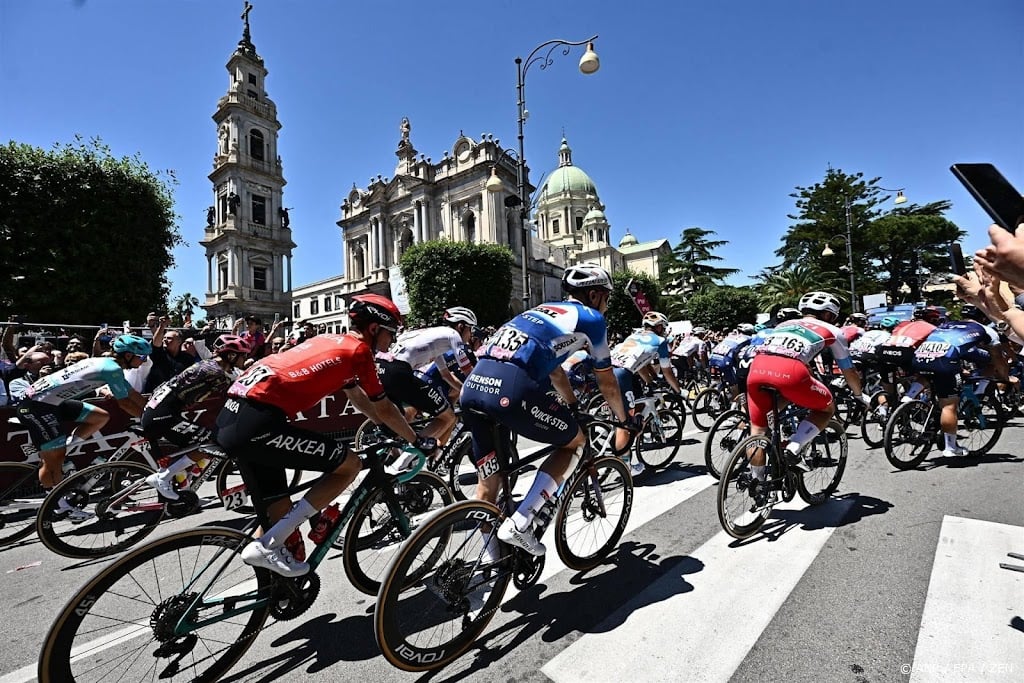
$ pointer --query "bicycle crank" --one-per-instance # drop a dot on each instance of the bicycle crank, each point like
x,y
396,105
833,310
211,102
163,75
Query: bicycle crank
x,y
526,568
292,597
187,504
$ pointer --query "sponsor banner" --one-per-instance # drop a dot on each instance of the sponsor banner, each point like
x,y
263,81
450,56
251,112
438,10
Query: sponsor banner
x,y
638,297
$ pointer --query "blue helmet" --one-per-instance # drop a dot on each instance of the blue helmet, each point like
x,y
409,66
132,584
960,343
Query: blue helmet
x,y
889,322
129,343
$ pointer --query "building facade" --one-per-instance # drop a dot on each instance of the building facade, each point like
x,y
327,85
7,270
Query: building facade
x,y
248,237
323,304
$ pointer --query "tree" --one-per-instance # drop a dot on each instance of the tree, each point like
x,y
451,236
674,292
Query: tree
x,y
689,265
779,288
87,237
440,274
622,315
182,308
723,308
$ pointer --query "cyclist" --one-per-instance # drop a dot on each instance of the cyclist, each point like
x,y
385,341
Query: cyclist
x,y
515,382
725,355
253,426
898,350
162,417
782,362
691,354
942,355
54,398
635,357
864,352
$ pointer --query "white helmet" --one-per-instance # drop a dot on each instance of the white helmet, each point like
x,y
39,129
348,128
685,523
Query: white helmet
x,y
699,332
819,301
460,314
653,319
585,275
745,328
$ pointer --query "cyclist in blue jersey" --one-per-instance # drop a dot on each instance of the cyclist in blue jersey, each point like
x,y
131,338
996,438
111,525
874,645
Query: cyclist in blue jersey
x,y
518,380
725,355
942,354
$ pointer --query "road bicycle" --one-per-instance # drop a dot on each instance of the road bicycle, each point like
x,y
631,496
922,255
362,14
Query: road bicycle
x,y
187,605
710,403
733,426
441,590
745,502
914,426
663,414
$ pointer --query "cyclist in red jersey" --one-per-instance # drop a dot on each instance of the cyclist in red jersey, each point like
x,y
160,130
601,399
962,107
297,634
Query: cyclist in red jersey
x,y
253,426
781,362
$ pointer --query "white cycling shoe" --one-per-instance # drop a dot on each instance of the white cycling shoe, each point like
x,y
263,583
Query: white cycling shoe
x,y
164,486
509,533
279,560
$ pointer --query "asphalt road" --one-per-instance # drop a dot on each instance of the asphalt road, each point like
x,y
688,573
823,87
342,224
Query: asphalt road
x,y
839,592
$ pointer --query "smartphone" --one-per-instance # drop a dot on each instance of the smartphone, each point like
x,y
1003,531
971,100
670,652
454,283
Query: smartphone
x,y
997,196
956,259
277,317
127,326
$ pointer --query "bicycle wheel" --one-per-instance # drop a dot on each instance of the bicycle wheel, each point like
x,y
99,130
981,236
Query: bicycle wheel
x,y
462,479
873,420
909,434
435,600
745,502
601,439
677,404
730,427
593,513
709,404
21,496
125,510
228,477
980,424
660,440
827,453
373,535
120,625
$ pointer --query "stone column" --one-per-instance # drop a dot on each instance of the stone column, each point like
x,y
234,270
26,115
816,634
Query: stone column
x,y
417,235
209,273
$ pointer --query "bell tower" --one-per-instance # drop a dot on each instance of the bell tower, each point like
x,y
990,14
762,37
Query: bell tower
x,y
248,237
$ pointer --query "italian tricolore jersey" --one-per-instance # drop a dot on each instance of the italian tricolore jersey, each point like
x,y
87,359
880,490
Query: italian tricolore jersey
x,y
804,339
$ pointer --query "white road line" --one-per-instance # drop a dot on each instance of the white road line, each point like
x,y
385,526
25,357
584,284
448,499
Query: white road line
x,y
965,632
700,627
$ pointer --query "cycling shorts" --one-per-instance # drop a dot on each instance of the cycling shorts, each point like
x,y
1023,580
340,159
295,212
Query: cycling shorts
x,y
403,387
260,437
42,420
509,396
629,386
165,421
793,380
946,384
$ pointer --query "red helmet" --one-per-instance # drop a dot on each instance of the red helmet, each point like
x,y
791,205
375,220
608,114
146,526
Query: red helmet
x,y
374,308
233,344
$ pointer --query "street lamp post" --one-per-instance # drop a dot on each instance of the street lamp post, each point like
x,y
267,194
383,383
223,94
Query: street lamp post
x,y
827,251
589,63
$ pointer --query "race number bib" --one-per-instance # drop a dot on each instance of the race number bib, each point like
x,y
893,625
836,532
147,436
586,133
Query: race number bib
x,y
506,341
234,497
251,378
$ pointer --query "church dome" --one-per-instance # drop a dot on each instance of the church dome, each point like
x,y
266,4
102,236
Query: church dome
x,y
628,240
595,214
567,179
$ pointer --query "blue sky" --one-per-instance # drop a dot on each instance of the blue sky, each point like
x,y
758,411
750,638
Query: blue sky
x,y
702,114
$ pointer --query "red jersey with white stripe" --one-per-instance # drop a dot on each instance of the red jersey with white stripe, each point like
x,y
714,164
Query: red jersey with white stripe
x,y
804,339
297,379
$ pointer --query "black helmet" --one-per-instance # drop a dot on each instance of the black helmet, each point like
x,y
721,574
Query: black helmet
x,y
929,314
374,308
785,314
972,312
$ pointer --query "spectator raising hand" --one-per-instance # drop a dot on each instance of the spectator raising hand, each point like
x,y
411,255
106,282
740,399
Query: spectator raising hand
x,y
1004,257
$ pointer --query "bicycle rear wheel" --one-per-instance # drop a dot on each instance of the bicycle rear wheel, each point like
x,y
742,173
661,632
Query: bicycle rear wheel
x,y
228,477
125,510
373,536
980,424
120,625
659,441
593,513
730,427
745,502
438,595
21,496
909,434
873,420
827,453
707,406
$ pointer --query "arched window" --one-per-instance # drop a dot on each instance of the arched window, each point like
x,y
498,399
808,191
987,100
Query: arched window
x,y
256,144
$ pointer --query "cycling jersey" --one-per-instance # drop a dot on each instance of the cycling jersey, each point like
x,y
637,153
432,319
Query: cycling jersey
x,y
953,342
804,339
80,380
726,352
898,349
193,385
542,337
864,348
419,347
639,350
430,373
318,367
689,347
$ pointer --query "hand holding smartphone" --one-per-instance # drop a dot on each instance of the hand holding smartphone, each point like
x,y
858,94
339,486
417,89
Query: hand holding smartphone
x,y
1003,203
956,259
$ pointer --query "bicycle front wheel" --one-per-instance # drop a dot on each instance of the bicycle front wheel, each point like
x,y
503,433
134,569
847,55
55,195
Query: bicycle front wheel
x,y
121,625
707,406
660,440
593,514
439,593
744,502
374,535
873,420
21,496
123,509
980,424
909,434
730,427
827,453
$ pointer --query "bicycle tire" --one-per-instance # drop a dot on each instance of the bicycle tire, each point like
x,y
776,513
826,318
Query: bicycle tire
x,y
909,434
740,512
827,453
462,476
980,426
730,427
229,477
452,621
600,436
125,508
373,536
656,447
872,423
707,406
108,614
579,522
21,496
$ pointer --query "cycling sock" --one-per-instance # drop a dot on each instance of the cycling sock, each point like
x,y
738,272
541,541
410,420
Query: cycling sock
x,y
805,432
758,472
544,487
950,440
279,533
179,465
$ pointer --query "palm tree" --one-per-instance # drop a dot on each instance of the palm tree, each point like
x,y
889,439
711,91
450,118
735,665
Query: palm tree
x,y
785,287
183,307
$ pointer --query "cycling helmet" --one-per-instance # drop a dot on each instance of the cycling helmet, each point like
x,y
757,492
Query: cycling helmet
x,y
129,343
653,319
746,328
972,312
231,343
933,315
699,331
788,313
460,314
760,326
585,276
858,319
819,302
374,308
889,322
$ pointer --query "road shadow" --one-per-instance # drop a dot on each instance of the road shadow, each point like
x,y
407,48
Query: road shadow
x,y
676,471
961,462
836,512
